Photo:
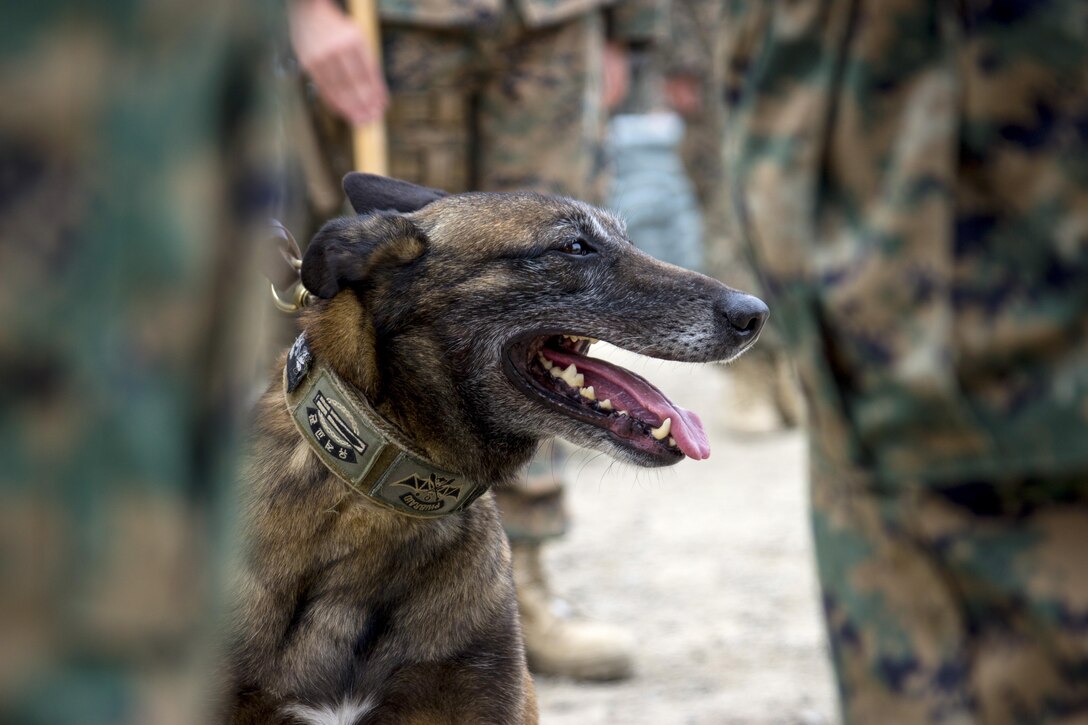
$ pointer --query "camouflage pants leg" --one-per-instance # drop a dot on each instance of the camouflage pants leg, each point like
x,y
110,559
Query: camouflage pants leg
x,y
959,604
542,121
432,76
516,108
513,109
764,376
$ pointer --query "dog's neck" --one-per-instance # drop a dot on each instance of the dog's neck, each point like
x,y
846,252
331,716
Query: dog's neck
x,y
452,442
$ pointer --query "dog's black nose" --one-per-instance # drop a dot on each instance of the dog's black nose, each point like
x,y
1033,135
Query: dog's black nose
x,y
746,314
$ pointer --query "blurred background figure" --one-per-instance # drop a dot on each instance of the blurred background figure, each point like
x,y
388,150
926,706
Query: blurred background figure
x,y
489,96
132,158
911,179
649,188
700,85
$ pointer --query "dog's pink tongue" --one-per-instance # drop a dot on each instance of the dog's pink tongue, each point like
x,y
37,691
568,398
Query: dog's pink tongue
x,y
607,379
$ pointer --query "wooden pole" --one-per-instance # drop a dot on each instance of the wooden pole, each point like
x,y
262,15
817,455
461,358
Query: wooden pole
x,y
371,151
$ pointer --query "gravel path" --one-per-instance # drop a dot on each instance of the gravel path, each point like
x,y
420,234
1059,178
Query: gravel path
x,y
709,563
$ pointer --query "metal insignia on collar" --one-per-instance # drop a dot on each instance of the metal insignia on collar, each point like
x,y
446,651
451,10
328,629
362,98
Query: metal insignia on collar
x,y
422,490
299,360
334,428
427,495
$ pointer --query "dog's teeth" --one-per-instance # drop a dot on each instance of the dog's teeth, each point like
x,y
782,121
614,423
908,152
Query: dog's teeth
x,y
555,371
605,404
548,364
571,377
621,412
588,393
662,430
672,441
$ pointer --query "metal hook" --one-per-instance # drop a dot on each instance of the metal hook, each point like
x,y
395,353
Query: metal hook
x,y
298,295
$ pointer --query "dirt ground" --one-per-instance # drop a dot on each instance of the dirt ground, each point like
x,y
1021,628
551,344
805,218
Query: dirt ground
x,y
709,564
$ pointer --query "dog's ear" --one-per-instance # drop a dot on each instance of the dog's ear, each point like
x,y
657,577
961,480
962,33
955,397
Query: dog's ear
x,y
369,193
345,250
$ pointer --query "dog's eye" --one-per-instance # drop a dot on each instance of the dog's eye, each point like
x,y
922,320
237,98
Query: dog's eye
x,y
579,248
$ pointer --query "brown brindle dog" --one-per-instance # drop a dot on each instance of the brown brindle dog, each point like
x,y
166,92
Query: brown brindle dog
x,y
449,339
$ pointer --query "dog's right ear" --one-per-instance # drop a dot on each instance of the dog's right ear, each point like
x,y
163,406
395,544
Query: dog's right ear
x,y
345,250
370,192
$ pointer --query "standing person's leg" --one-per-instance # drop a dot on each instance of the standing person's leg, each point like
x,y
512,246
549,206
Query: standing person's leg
x,y
896,628
958,603
430,126
541,128
1015,551
763,393
541,114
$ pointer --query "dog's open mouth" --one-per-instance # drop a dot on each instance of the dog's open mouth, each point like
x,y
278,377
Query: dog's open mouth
x,y
557,370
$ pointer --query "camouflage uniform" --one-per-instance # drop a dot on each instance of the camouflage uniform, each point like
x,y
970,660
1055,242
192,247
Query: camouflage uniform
x,y
912,179
703,37
128,148
696,50
493,95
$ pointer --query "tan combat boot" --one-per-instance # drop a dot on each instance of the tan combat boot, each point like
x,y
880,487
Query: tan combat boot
x,y
557,643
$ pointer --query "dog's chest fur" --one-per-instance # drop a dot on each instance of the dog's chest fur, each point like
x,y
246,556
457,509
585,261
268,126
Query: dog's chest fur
x,y
346,604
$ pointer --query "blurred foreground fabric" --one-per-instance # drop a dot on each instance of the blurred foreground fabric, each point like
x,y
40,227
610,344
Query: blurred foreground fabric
x,y
911,179
133,154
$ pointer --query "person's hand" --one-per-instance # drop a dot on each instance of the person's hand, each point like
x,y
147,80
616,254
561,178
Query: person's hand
x,y
684,94
617,75
332,51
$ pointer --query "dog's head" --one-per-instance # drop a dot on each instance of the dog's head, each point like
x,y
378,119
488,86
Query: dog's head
x,y
467,318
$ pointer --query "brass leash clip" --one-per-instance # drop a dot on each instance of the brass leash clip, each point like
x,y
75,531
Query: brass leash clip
x,y
295,296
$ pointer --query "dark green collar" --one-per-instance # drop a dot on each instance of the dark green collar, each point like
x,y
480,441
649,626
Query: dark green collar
x,y
363,449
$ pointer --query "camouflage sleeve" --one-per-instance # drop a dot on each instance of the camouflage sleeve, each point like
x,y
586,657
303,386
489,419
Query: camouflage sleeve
x,y
638,22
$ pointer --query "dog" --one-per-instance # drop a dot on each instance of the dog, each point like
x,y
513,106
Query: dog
x,y
449,337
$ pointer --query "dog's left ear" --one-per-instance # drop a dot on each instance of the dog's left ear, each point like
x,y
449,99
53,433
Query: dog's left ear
x,y
369,193
345,250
